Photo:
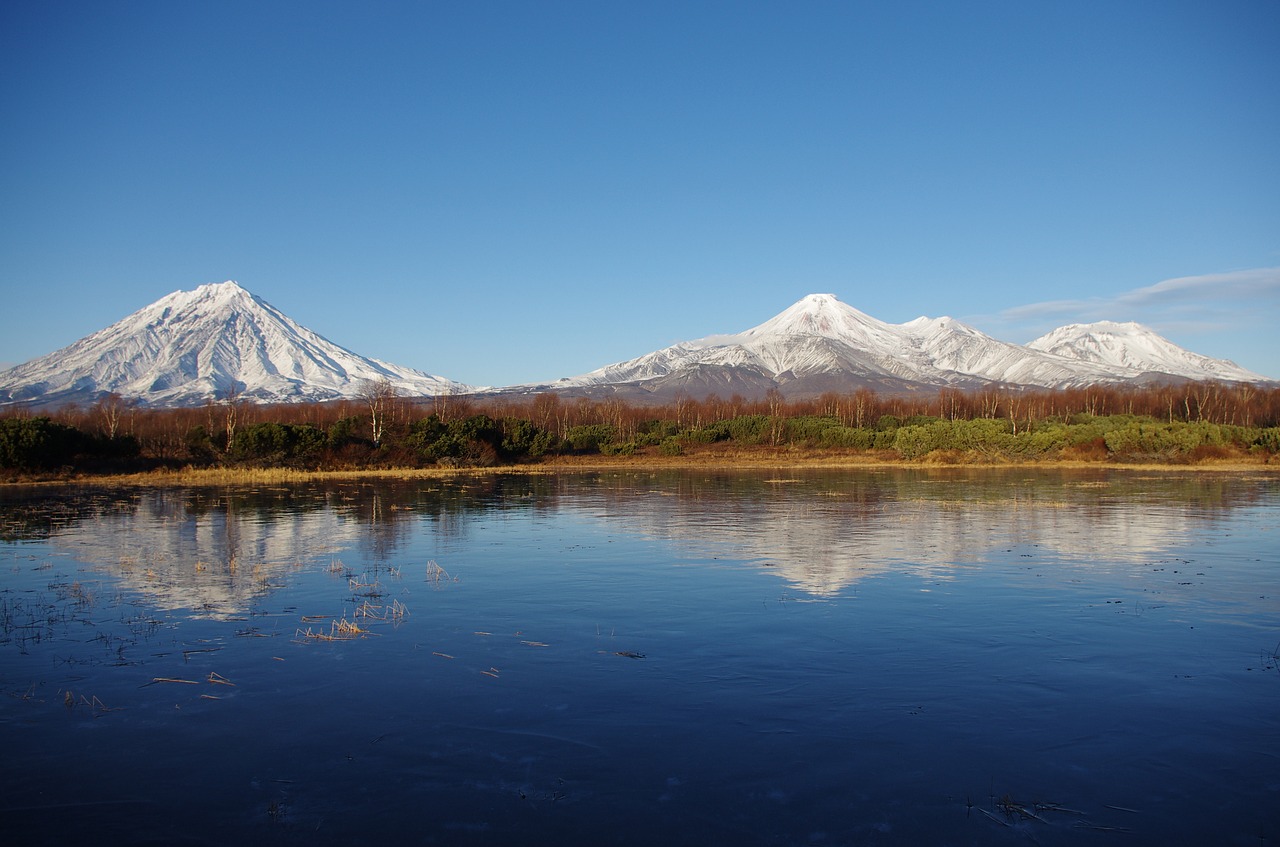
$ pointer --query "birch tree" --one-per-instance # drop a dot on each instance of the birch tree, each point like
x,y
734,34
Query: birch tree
x,y
378,395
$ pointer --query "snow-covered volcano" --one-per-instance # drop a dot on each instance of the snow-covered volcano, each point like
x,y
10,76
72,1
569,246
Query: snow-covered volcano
x,y
216,341
195,346
1136,347
821,344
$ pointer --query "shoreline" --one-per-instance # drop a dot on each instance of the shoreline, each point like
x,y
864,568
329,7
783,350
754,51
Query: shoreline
x,y
586,464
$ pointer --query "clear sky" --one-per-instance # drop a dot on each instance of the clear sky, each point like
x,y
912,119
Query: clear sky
x,y
514,192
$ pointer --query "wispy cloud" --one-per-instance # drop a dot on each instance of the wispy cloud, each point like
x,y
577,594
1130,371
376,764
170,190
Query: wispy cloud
x,y
1192,303
1234,286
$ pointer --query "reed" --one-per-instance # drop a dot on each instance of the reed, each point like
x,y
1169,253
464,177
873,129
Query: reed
x,y
437,575
339,630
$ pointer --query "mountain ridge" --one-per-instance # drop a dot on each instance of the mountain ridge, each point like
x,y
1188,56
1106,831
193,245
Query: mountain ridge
x,y
808,347
220,340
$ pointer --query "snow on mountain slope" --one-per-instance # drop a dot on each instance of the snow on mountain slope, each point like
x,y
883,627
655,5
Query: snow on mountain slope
x,y
820,344
193,346
819,335
1136,347
816,334
948,345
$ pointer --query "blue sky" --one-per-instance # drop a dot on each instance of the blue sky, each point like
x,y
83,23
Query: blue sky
x,y
516,192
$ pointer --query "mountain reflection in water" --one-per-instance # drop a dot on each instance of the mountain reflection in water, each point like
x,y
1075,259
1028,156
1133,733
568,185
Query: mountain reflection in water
x,y
941,656
216,551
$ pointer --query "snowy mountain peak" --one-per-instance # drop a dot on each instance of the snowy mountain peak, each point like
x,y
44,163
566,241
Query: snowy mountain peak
x,y
211,294
1134,346
220,340
819,344
821,315
227,289
216,341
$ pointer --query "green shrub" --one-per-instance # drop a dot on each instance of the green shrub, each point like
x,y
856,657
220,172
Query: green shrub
x,y
278,444
619,448
809,428
1143,440
847,436
589,439
671,447
521,439
750,429
32,444
1267,440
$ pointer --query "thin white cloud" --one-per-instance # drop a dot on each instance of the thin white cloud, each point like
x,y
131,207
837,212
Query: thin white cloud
x,y
1234,286
1049,309
1191,302
1230,315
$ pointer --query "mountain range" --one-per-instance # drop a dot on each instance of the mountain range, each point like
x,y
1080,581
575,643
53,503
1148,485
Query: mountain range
x,y
820,344
219,340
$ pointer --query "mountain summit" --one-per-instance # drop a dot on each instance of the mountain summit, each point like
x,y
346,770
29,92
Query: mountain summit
x,y
1134,346
210,343
821,344
220,340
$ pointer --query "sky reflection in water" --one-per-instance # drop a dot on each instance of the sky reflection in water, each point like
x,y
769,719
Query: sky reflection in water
x,y
895,657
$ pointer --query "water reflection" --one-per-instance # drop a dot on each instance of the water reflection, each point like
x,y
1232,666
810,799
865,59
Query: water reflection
x,y
824,532
621,661
218,551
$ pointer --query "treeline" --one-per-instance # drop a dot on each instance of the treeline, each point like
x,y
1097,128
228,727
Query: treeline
x,y
1180,423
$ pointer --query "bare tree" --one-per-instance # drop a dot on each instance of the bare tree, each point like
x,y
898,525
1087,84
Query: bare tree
x,y
108,409
546,413
232,402
378,395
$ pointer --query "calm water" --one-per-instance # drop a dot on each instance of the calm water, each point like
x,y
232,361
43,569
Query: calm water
x,y
908,657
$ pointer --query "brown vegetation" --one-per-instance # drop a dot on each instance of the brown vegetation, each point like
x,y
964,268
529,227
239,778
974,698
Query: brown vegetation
x,y
384,431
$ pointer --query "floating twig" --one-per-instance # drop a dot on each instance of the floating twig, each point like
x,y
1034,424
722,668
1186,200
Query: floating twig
x,y
1101,828
993,817
193,650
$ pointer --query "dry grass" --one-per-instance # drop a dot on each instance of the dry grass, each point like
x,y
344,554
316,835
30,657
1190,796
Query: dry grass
x,y
396,611
438,576
339,630
729,457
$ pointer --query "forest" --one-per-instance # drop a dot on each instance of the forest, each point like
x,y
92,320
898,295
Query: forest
x,y
1169,424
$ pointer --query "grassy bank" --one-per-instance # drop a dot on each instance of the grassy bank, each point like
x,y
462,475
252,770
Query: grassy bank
x,y
718,457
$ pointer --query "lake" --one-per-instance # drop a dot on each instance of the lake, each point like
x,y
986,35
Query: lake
x,y
914,656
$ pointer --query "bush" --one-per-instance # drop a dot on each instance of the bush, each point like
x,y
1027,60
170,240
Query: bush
x,y
621,448
710,434
278,444
343,432
589,439
671,447
810,428
848,437
33,444
1267,440
522,440
750,429
1143,440
983,434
